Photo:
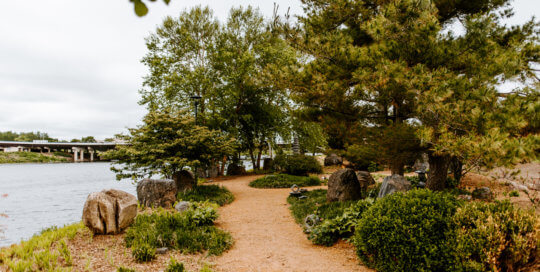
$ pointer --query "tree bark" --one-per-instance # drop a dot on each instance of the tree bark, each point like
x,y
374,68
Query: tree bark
x,y
259,159
397,168
456,166
253,160
438,171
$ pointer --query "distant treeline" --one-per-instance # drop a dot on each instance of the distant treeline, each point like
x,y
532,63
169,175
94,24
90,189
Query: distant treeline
x,y
31,136
25,136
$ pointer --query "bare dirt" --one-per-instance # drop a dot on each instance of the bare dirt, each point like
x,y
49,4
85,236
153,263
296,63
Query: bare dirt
x,y
267,237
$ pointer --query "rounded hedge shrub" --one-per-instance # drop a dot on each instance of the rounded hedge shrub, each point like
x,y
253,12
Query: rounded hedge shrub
x,y
298,164
408,232
284,181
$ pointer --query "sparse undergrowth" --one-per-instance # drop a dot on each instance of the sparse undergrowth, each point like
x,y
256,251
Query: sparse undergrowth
x,y
46,251
213,193
284,181
191,231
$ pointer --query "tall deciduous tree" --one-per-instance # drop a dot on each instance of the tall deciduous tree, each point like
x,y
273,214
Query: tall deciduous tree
x,y
231,66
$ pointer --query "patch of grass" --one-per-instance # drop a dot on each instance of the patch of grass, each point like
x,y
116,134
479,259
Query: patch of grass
x,y
514,193
213,193
191,231
143,252
315,203
29,157
124,269
175,266
284,181
46,251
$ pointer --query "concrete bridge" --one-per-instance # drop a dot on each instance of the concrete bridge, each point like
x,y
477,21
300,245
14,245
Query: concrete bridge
x,y
78,149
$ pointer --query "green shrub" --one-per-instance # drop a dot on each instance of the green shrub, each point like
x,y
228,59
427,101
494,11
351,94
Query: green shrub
x,y
143,252
124,269
496,237
330,230
315,203
514,193
175,266
212,193
408,232
190,231
298,165
361,157
284,181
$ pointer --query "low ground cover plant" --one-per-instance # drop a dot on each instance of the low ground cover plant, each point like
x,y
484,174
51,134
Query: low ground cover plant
x,y
298,164
329,231
190,231
284,181
46,251
28,157
213,193
315,203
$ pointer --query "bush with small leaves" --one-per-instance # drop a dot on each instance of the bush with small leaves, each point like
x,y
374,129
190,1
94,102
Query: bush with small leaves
x,y
496,237
408,232
213,193
124,269
298,165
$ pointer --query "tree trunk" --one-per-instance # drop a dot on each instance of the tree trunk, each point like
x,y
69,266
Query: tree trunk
x,y
397,168
184,180
253,160
438,171
259,159
456,166
223,163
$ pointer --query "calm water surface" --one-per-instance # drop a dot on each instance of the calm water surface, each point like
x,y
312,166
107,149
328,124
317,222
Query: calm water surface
x,y
44,195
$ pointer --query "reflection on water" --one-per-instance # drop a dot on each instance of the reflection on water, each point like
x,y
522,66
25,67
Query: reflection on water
x,y
44,195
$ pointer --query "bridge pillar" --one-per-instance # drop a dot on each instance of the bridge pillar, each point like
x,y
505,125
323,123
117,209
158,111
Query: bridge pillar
x,y
82,155
91,151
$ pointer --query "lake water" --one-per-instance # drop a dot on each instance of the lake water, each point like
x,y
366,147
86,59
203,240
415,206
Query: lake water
x,y
45,195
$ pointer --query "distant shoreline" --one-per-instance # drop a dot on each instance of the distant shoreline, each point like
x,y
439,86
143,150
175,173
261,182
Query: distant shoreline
x,y
33,157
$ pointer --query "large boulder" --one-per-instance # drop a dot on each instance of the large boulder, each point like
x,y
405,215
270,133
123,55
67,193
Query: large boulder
x,y
235,170
109,211
343,185
333,159
392,184
365,179
157,192
184,180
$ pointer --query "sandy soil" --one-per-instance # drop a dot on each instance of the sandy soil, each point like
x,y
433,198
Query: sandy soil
x,y
268,239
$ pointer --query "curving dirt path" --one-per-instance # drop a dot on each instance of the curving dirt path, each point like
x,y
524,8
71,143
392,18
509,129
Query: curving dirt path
x,y
268,239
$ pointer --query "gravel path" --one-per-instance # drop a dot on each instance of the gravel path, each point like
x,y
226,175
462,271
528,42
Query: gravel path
x,y
268,239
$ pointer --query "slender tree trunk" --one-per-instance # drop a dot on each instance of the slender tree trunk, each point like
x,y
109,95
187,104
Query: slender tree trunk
x,y
253,160
456,166
438,171
259,159
223,163
397,168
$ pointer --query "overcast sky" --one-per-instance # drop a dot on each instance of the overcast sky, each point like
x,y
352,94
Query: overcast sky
x,y
72,68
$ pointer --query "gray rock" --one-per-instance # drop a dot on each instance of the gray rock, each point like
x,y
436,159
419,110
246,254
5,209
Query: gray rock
x,y
421,164
109,211
235,170
162,250
213,171
392,184
182,206
465,197
157,192
333,159
365,179
343,185
482,193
